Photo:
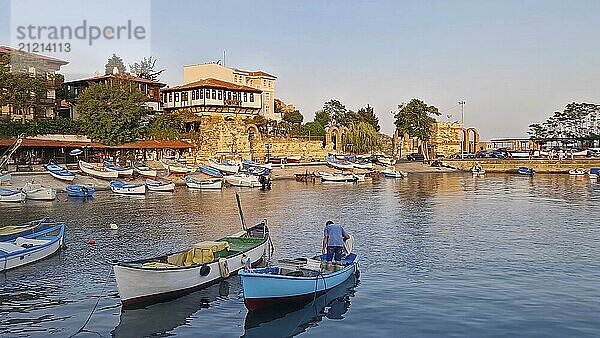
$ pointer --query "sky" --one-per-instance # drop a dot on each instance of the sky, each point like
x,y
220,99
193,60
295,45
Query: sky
x,y
512,62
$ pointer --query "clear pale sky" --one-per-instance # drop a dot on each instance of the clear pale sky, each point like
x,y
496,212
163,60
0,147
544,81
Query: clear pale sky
x,y
514,62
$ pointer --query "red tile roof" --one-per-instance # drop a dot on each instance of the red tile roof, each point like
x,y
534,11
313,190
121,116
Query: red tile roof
x,y
142,144
213,83
127,77
258,73
49,59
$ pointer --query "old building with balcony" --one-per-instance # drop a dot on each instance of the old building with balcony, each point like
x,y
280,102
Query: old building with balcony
x,y
213,97
150,88
40,107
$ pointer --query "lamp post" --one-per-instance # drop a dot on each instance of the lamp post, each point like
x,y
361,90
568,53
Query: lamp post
x,y
462,121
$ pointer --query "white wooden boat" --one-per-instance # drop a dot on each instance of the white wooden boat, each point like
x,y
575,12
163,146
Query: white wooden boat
x,y
158,186
363,165
35,191
144,170
336,163
178,168
577,172
30,248
477,170
225,167
390,172
59,172
146,281
7,195
119,187
98,172
211,183
337,177
243,180
122,171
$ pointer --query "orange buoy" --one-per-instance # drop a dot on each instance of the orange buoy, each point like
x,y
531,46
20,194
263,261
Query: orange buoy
x,y
91,242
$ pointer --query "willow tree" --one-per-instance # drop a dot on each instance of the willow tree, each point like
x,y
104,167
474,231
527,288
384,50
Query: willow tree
x,y
362,138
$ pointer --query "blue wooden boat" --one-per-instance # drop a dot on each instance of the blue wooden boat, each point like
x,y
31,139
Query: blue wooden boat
x,y
594,172
299,280
210,171
11,232
8,195
80,191
76,152
526,171
31,248
122,171
251,164
59,172
119,187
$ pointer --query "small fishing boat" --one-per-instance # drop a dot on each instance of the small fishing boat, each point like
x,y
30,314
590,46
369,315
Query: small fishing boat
x,y
80,190
225,167
594,172
293,159
30,248
178,168
390,172
363,164
144,170
98,172
119,187
577,172
37,192
122,171
477,170
277,160
210,171
332,161
59,172
158,186
526,171
243,180
384,161
11,232
251,164
6,177
337,177
145,281
293,281
8,195
213,183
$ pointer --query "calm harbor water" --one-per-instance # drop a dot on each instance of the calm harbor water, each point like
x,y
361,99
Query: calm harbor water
x,y
442,255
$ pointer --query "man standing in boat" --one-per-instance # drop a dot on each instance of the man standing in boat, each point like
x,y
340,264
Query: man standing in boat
x,y
333,242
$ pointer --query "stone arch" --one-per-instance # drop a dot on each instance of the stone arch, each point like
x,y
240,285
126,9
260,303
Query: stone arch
x,y
252,129
334,135
472,142
464,140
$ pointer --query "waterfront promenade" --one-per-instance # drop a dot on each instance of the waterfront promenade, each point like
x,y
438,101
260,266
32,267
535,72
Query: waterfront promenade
x,y
510,166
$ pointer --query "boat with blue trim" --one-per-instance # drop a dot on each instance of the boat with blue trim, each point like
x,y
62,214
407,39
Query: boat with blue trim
x,y
59,172
121,171
210,171
11,232
8,195
80,190
526,171
31,248
119,187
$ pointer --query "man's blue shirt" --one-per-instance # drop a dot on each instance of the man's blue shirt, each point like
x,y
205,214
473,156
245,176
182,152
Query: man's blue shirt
x,y
335,235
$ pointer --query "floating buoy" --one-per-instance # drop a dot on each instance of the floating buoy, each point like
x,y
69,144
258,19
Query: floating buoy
x,y
113,226
91,242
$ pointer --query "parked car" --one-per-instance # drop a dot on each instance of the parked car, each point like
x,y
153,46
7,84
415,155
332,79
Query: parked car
x,y
464,154
415,157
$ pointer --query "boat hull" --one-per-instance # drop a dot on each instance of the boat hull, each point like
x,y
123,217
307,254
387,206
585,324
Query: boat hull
x,y
230,169
128,189
139,286
151,173
264,290
33,254
248,181
326,177
11,196
79,191
38,193
67,178
205,184
97,172
160,186
392,174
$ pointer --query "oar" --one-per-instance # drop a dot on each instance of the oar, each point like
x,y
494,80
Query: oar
x,y
239,204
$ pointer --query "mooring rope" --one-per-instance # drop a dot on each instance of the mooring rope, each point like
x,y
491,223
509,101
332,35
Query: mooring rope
x,y
81,329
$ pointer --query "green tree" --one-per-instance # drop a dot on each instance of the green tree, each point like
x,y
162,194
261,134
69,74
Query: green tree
x,y
111,113
337,111
323,118
146,69
114,61
314,128
367,115
166,127
24,83
293,117
414,119
363,137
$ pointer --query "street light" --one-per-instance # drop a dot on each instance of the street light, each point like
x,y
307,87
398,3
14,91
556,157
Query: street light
x,y
462,121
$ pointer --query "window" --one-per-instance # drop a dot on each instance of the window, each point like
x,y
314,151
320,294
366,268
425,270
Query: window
x,y
228,95
265,83
201,91
251,97
184,96
245,97
170,97
193,95
220,95
176,97
214,94
208,94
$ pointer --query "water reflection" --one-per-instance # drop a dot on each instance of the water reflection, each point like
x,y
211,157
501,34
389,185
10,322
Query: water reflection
x,y
293,321
159,319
